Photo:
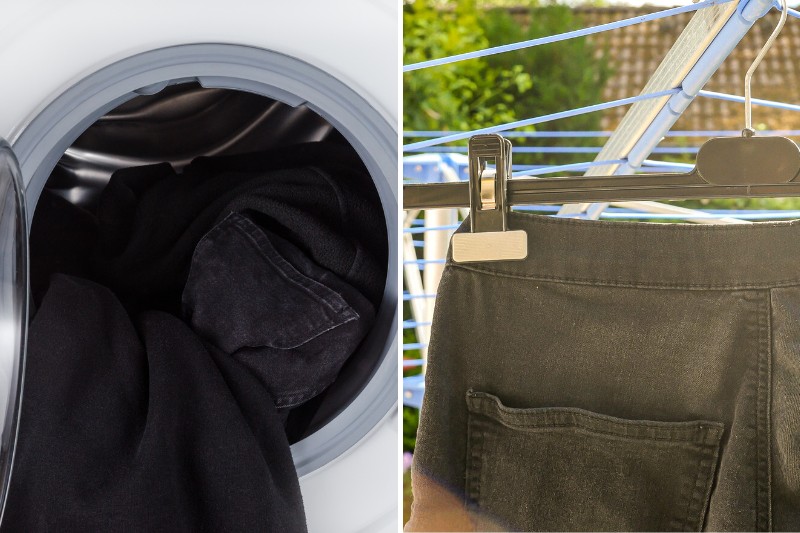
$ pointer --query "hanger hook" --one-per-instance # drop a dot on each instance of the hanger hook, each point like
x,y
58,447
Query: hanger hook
x,y
748,77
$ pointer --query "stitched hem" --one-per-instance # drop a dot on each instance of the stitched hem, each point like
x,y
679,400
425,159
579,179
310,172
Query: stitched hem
x,y
628,283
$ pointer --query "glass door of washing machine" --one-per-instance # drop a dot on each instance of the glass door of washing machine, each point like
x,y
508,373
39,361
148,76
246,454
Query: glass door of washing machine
x,y
13,307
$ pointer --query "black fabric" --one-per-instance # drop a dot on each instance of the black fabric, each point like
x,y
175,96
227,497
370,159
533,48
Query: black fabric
x,y
317,196
63,238
622,377
155,404
291,322
140,427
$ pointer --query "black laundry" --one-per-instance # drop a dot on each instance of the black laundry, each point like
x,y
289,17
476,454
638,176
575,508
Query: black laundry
x,y
317,196
291,322
153,403
136,426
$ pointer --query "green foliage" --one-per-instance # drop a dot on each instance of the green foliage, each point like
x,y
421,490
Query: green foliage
x,y
565,75
410,424
743,203
460,96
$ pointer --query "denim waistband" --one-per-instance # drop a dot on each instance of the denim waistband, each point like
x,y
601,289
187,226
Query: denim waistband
x,y
640,254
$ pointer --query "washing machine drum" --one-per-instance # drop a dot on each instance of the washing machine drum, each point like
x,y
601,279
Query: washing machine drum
x,y
153,135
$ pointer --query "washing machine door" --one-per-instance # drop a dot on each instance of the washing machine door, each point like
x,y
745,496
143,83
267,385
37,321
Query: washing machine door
x,y
13,307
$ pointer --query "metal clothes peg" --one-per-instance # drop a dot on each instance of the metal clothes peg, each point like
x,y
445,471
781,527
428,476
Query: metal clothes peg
x,y
489,238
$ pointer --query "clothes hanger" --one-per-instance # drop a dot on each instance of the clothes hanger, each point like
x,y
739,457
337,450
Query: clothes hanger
x,y
726,167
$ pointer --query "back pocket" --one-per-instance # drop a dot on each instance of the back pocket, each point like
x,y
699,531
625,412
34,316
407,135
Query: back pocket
x,y
567,469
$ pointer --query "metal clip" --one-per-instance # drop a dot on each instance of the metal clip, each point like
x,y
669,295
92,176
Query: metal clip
x,y
489,238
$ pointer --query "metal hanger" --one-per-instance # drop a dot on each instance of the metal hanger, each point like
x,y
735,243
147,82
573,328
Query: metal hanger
x,y
726,167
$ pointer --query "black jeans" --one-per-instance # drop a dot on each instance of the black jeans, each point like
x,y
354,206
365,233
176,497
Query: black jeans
x,y
623,377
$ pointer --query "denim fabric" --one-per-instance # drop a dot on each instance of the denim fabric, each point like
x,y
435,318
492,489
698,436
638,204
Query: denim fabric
x,y
625,376
130,423
279,314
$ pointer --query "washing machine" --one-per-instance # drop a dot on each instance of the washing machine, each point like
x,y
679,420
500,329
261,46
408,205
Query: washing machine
x,y
245,74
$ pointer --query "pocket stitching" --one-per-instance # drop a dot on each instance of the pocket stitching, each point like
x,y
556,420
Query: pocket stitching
x,y
312,287
344,314
484,408
612,434
679,431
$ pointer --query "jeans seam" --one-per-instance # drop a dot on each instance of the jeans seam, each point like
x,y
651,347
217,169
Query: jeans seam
x,y
688,494
701,494
763,414
626,283
474,478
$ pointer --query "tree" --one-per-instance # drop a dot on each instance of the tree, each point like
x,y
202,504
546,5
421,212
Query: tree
x,y
564,75
460,96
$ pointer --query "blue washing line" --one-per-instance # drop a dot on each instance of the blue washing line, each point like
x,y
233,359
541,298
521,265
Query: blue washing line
x,y
538,120
567,168
431,171
647,163
792,13
562,36
605,133
756,101
589,109
408,324
440,133
424,230
414,346
555,150
517,149
424,262
407,296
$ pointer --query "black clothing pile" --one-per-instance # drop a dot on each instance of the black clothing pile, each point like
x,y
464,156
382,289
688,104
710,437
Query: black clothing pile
x,y
177,325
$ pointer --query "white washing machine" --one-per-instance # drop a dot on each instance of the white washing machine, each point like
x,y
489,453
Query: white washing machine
x,y
302,69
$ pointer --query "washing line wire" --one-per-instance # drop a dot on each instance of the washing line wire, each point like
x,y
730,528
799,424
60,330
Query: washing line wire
x,y
754,101
562,36
605,133
536,120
